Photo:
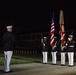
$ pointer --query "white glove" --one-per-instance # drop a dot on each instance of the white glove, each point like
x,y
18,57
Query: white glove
x,y
43,44
69,39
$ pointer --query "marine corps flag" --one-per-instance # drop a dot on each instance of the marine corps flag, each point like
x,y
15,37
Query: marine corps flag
x,y
62,31
52,31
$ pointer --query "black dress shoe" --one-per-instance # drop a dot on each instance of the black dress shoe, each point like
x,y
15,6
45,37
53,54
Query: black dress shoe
x,y
70,65
53,64
7,71
44,63
62,65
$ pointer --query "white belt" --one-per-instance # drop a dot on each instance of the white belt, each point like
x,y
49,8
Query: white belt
x,y
71,46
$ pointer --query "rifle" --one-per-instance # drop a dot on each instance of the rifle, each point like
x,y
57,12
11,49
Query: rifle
x,y
41,36
42,41
54,45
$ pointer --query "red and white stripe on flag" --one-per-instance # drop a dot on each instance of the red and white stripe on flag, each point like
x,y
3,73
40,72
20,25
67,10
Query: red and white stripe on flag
x,y
52,34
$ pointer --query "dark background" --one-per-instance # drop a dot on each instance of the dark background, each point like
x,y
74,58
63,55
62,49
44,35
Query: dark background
x,y
34,16
31,16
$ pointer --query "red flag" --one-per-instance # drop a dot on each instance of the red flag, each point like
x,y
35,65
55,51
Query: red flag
x,y
52,31
62,31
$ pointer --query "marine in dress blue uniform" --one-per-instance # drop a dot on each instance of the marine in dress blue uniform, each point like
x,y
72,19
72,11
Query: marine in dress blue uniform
x,y
63,56
71,44
44,49
54,52
8,40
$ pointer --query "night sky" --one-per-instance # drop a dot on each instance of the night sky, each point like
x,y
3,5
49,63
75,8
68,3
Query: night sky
x,y
35,15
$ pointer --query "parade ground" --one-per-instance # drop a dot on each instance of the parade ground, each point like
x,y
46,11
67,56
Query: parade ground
x,y
40,69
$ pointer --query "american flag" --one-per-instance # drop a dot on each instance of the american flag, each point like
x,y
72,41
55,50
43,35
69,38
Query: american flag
x,y
52,31
62,31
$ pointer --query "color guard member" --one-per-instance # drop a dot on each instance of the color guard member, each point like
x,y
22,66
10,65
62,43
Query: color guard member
x,y
45,48
70,45
54,51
